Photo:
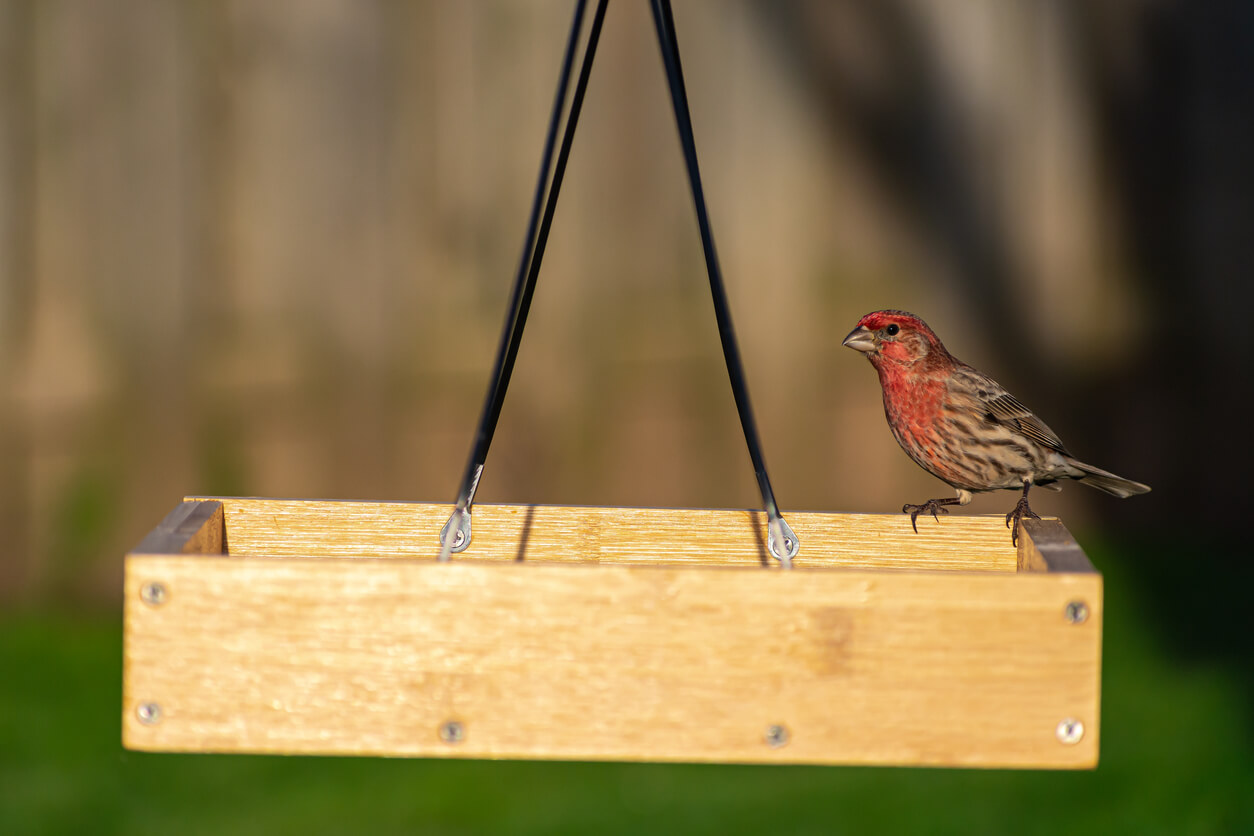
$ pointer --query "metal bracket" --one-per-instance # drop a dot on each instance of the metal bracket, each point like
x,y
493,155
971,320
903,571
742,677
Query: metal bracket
x,y
458,526
782,542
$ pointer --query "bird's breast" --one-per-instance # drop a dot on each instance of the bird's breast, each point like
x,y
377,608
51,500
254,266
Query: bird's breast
x,y
914,407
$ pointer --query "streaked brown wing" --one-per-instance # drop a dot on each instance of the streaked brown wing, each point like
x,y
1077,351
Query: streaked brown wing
x,y
1007,410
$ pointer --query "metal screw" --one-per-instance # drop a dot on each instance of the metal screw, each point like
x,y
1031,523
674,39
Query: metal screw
x,y
1069,731
1076,612
777,736
149,713
154,593
452,732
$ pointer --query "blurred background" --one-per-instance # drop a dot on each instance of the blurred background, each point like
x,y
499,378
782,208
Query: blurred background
x,y
265,248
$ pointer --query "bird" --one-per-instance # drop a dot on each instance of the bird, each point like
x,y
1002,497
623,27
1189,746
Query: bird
x,y
963,427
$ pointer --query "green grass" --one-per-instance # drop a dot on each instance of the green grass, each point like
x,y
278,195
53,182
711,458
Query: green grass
x,y
1176,759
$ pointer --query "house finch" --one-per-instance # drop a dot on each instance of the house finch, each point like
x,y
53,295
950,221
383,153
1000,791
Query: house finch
x,y
961,426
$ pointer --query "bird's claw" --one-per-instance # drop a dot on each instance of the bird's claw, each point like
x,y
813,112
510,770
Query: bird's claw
x,y
1021,510
932,506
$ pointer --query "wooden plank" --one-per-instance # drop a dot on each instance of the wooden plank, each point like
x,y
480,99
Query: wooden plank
x,y
615,535
1049,547
191,528
577,661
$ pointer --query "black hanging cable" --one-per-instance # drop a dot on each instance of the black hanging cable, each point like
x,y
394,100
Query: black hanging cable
x,y
528,270
781,541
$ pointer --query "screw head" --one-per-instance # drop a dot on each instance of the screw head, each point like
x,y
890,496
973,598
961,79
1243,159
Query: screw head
x,y
1076,612
1069,731
777,735
149,713
452,731
153,593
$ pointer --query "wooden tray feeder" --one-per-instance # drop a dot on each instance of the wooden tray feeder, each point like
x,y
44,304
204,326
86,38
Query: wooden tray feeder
x,y
300,627
303,627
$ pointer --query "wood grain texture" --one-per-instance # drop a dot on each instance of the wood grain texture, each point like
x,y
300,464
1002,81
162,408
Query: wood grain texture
x,y
615,535
601,653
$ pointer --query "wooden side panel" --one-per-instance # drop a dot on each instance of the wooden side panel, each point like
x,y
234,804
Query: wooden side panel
x,y
1049,547
539,660
616,535
195,527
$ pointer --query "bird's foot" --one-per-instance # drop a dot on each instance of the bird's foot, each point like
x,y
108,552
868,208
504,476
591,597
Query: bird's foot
x,y
932,506
1021,510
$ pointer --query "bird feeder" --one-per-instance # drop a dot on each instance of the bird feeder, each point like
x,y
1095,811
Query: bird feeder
x,y
582,633
363,628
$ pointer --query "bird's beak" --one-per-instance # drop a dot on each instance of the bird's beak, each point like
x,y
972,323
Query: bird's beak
x,y
861,339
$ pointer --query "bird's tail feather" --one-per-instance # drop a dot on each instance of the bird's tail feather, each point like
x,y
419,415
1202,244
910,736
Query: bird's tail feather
x,y
1106,481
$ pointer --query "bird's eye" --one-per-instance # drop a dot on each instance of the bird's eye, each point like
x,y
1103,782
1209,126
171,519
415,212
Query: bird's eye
x,y
892,330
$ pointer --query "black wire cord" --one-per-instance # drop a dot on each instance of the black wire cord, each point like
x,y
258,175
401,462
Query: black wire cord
x,y
455,536
456,533
506,368
782,542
